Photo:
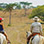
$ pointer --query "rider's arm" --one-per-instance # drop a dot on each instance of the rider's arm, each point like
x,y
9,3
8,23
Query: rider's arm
x,y
31,28
2,25
41,30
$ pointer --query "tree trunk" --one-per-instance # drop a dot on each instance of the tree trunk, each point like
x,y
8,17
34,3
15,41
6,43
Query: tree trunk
x,y
25,11
10,18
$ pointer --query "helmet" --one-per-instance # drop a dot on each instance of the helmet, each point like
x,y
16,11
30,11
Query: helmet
x,y
1,19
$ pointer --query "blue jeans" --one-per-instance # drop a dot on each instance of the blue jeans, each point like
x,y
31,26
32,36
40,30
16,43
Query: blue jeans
x,y
2,31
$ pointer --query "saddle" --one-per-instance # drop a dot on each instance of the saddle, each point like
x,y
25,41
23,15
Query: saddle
x,y
34,34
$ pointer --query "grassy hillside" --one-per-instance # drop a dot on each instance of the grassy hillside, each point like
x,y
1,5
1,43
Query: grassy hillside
x,y
17,31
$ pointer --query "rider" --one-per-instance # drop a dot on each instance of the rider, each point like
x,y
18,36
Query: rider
x,y
2,29
36,28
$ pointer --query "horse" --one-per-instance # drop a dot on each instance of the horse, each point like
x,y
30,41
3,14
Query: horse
x,y
37,39
2,38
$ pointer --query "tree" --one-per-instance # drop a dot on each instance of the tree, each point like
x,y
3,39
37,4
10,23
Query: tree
x,y
39,11
3,5
18,6
24,5
32,7
9,8
28,4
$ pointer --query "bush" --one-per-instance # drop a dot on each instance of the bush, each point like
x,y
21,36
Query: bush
x,y
42,19
9,24
39,11
1,8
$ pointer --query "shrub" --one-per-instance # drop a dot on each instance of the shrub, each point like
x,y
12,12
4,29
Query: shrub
x,y
1,8
9,24
39,11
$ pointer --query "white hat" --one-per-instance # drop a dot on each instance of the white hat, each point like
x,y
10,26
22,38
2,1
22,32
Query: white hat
x,y
2,18
36,18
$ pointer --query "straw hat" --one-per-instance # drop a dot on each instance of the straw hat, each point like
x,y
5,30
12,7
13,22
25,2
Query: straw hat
x,y
36,18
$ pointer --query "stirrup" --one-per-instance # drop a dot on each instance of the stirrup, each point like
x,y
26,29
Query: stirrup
x,y
27,42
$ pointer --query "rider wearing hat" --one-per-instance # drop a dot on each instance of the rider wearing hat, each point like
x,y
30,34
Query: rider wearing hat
x,y
36,28
2,29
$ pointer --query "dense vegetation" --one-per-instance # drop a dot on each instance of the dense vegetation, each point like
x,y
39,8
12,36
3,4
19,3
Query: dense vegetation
x,y
39,11
1,8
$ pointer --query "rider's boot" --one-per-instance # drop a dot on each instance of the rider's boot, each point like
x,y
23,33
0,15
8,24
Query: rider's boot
x,y
27,42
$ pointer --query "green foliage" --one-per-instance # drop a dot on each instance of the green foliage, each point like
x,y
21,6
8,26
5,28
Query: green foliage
x,y
1,8
39,11
9,7
3,5
18,6
25,4
9,24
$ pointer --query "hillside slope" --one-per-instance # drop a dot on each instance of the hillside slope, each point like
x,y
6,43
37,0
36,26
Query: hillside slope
x,y
19,25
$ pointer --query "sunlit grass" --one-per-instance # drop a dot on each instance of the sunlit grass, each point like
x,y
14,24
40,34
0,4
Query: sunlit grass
x,y
17,31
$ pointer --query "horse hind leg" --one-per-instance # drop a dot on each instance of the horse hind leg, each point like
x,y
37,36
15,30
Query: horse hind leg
x,y
0,41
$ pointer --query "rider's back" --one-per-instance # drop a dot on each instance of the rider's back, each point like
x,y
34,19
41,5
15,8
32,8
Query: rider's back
x,y
36,27
1,27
